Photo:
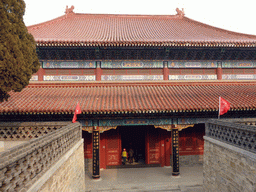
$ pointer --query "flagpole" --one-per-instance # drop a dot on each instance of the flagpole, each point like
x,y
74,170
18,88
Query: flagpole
x,y
219,109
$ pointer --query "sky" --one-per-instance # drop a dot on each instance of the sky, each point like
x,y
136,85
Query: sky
x,y
238,16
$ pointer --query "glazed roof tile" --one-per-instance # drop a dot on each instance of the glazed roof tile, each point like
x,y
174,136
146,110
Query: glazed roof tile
x,y
130,98
76,29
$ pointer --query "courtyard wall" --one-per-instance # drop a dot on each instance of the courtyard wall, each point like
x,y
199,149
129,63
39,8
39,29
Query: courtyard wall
x,y
229,157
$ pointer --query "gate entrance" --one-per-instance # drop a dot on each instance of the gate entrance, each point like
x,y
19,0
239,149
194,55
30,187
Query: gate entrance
x,y
133,137
151,146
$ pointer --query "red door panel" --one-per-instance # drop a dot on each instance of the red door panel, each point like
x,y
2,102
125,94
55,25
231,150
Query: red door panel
x,y
154,146
113,156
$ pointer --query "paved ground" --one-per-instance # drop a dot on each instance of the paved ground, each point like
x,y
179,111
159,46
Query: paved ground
x,y
147,180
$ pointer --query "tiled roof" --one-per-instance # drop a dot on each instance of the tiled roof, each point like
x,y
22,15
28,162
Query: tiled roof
x,y
75,29
145,97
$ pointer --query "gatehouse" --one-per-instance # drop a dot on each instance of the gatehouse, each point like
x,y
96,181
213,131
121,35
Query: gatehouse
x,y
143,82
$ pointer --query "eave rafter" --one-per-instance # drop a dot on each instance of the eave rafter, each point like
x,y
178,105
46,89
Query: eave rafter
x,y
145,53
196,44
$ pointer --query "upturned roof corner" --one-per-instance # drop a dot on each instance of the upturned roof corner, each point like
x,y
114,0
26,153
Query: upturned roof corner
x,y
70,10
181,12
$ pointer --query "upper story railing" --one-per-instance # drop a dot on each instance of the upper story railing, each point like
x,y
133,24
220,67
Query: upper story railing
x,y
24,164
237,133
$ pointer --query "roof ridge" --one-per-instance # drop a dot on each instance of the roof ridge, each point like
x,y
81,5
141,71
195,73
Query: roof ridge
x,y
218,28
49,22
126,15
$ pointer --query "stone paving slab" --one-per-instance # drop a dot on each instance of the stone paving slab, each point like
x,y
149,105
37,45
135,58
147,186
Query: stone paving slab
x,y
147,180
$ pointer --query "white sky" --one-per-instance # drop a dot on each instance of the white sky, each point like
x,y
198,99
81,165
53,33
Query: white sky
x,y
234,15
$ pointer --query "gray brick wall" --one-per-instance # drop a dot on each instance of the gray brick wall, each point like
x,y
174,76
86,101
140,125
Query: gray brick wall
x,y
228,168
69,177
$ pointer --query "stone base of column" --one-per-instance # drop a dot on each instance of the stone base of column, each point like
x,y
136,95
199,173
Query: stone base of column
x,y
175,173
96,176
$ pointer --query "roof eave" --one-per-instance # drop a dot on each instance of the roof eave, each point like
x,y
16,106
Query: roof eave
x,y
234,44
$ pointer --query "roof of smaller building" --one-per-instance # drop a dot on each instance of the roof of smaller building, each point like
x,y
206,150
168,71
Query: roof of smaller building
x,y
132,97
76,29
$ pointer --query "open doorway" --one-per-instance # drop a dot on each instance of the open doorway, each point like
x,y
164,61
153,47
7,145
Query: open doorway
x,y
133,137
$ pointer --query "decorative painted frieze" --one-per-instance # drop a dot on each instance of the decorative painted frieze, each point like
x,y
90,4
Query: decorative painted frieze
x,y
132,64
192,64
34,78
127,122
192,77
69,78
167,124
238,64
181,121
87,123
69,64
131,77
239,76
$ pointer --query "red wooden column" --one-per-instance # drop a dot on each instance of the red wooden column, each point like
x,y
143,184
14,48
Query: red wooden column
x,y
167,149
219,71
98,71
162,147
96,153
103,150
166,71
40,74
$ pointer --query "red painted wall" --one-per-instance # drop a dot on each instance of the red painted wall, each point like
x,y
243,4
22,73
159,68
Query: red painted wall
x,y
191,140
87,144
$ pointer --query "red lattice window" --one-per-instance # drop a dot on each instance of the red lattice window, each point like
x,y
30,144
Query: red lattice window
x,y
89,72
198,71
227,71
132,71
63,72
249,71
238,71
174,71
107,72
144,72
76,72
210,71
120,71
50,72
156,71
186,71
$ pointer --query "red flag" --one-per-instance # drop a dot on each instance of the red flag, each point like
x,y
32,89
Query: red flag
x,y
77,111
224,106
